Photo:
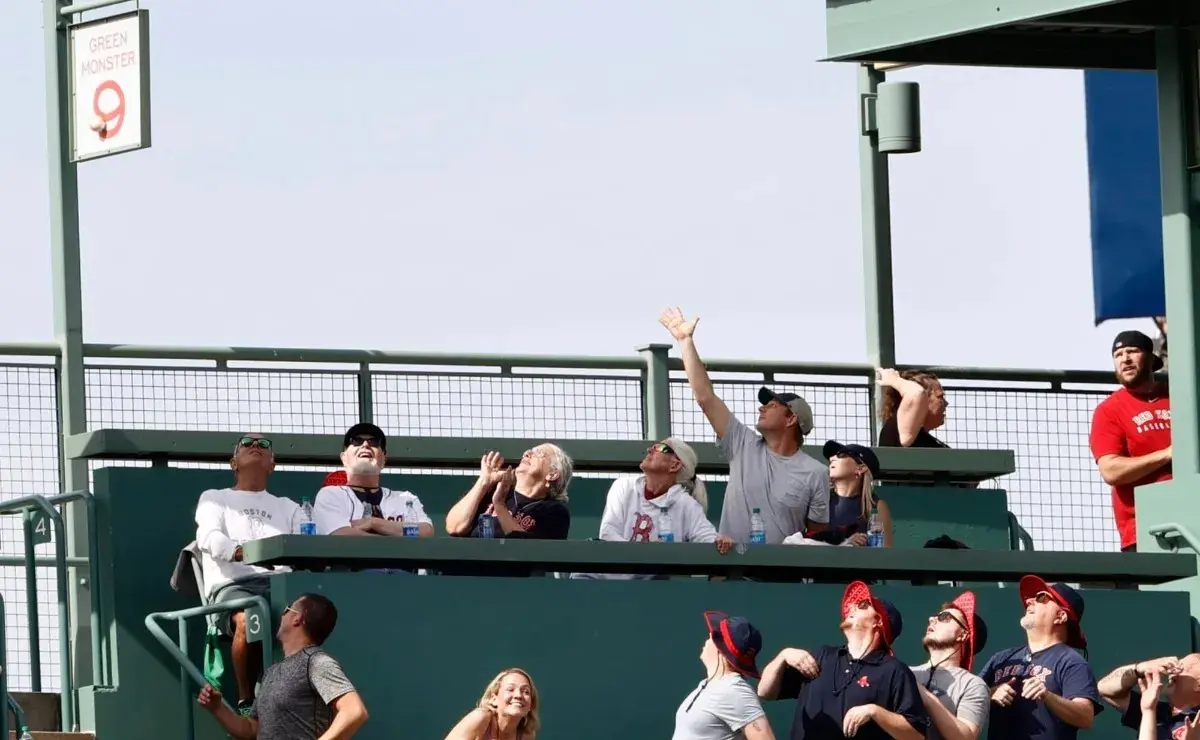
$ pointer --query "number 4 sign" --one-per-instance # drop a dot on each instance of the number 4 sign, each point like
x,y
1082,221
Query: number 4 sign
x,y
42,529
110,85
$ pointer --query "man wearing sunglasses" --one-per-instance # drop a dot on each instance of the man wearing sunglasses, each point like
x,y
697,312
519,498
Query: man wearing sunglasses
x,y
956,699
859,690
361,507
225,520
1045,689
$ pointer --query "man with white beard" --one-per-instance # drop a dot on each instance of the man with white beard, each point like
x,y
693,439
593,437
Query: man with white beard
x,y
362,507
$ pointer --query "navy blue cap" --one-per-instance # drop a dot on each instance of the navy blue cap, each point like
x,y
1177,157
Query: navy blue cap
x,y
737,640
366,428
1067,598
864,455
796,404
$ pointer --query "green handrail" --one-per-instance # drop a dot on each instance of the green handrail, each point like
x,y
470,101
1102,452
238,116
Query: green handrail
x,y
188,669
1175,530
43,504
1018,537
22,719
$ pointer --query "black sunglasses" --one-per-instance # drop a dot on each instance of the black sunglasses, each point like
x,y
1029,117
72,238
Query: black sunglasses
x,y
368,441
260,442
949,617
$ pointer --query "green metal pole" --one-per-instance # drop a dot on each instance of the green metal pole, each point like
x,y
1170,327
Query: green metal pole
x,y
185,686
1181,236
656,391
4,666
68,312
31,604
876,234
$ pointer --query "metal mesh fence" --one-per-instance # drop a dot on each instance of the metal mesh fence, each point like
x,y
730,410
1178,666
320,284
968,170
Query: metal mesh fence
x,y
1055,492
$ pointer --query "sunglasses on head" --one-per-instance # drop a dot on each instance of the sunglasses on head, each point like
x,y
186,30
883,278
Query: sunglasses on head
x,y
662,447
260,442
367,441
946,616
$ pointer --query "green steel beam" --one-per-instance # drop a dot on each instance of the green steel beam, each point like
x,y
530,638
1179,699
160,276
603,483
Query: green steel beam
x,y
858,28
67,295
766,563
656,391
899,464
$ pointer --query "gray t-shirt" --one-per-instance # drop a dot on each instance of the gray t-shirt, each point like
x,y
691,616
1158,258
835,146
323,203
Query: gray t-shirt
x,y
963,693
785,490
293,702
717,710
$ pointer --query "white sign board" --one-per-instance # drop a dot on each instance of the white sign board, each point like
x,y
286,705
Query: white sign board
x,y
110,86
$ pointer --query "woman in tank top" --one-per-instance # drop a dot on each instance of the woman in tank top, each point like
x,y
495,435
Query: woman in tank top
x,y
508,710
852,472
914,404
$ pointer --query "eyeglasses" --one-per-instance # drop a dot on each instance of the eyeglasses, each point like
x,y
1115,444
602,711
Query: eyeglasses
x,y
661,447
947,616
260,442
366,441
1043,597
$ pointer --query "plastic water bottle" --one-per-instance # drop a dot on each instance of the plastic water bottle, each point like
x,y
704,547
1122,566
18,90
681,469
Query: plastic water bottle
x,y
25,735
758,528
665,532
487,526
307,526
874,529
412,528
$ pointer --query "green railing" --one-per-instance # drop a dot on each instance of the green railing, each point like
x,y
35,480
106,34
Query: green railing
x,y
18,711
258,629
1042,415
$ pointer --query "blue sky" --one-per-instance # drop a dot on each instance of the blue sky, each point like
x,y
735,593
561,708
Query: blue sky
x,y
544,177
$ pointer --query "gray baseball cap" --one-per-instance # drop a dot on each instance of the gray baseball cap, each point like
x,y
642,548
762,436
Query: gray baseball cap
x,y
795,404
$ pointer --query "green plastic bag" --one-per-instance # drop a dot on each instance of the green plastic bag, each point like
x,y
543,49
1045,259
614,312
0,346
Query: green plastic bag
x,y
214,661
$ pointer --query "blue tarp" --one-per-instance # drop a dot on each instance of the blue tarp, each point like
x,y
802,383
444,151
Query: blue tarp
x,y
1126,199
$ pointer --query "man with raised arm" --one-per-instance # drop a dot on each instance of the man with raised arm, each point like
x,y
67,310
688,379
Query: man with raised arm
x,y
767,471
1163,692
225,520
305,696
1044,689
956,699
859,690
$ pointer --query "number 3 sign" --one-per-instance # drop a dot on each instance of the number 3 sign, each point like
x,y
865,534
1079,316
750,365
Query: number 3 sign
x,y
110,86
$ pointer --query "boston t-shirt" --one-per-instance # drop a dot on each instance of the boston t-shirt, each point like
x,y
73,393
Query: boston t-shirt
x,y
541,518
1171,726
1065,672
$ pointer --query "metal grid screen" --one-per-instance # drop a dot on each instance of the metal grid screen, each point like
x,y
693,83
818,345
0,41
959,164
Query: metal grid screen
x,y
28,466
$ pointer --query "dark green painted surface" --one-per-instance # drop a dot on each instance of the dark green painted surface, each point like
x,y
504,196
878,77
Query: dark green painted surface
x,y
615,659
593,646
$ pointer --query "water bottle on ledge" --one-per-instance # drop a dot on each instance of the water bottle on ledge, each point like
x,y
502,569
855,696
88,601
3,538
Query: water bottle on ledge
x,y
487,526
874,529
758,529
306,526
665,532
412,528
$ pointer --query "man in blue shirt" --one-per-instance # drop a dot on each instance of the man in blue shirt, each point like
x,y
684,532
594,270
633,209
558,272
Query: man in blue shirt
x,y
858,690
1175,707
1043,690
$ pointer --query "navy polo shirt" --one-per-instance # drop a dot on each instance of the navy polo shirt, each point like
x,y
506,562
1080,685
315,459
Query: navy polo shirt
x,y
1066,674
1170,725
845,683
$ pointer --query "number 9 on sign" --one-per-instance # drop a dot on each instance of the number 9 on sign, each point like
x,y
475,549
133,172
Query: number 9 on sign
x,y
255,624
108,103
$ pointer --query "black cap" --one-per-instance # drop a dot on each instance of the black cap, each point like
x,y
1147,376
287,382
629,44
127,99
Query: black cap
x,y
864,455
737,640
362,428
1138,340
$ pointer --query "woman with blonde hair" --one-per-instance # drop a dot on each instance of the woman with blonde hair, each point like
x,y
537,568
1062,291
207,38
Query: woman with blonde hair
x,y
508,710
852,473
914,403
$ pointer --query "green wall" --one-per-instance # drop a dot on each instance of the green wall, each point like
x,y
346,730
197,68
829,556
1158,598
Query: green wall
x,y
593,647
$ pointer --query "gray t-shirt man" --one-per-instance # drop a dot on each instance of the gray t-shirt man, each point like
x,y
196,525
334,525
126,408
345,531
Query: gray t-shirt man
x,y
785,490
963,693
718,710
293,702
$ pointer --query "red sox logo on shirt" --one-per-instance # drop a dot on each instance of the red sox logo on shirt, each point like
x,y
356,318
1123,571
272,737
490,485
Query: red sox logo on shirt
x,y
642,526
524,521
863,682
1153,420
1018,670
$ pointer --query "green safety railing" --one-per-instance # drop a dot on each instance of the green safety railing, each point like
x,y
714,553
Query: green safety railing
x,y
258,629
22,720
32,510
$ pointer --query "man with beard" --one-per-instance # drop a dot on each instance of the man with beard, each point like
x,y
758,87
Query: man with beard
x,y
1131,429
956,699
1164,693
858,690
362,506
1044,689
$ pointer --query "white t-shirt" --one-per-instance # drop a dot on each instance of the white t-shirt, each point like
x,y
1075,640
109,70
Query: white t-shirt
x,y
336,506
226,518
718,709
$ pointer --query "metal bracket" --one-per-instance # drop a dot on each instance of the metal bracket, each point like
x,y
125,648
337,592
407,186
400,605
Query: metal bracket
x,y
1166,533
867,119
